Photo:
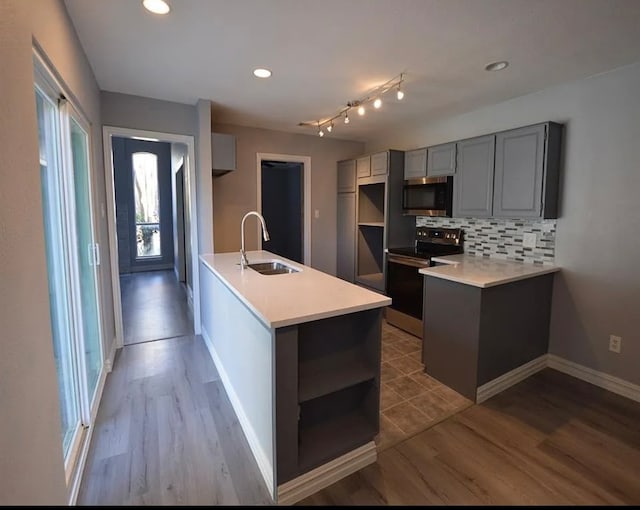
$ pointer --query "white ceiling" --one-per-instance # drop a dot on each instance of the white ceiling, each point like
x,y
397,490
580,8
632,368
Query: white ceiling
x,y
324,53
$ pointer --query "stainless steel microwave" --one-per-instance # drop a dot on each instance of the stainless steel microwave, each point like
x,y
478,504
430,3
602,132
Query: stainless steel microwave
x,y
428,196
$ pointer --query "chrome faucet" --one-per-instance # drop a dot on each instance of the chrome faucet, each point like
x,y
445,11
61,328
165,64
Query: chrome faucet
x,y
265,235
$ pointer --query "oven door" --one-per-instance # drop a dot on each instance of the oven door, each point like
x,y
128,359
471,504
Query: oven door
x,y
405,284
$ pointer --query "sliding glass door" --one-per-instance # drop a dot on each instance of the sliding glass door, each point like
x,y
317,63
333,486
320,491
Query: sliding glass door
x,y
57,267
72,260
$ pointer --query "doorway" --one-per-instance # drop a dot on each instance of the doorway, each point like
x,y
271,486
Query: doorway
x,y
282,208
156,295
150,231
284,199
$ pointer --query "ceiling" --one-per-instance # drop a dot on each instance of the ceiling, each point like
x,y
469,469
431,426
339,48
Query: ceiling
x,y
326,53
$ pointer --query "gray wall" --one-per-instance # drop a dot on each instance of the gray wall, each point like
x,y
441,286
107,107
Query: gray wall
x,y
137,112
597,241
235,193
31,464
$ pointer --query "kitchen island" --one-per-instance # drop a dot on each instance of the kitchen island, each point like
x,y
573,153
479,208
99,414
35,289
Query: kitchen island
x,y
299,356
485,322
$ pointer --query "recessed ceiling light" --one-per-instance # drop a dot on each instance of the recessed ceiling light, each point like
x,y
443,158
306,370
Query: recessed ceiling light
x,y
496,66
156,6
262,73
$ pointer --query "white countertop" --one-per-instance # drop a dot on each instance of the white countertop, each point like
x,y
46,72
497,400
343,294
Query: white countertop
x,y
286,299
484,272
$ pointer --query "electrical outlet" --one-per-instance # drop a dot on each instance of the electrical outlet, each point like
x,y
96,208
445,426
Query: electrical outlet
x,y
615,343
529,240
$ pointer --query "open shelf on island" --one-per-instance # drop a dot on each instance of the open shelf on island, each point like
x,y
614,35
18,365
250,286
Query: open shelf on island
x,y
333,372
337,423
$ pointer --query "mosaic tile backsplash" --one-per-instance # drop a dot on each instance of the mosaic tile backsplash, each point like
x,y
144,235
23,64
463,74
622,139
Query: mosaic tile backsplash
x,y
501,239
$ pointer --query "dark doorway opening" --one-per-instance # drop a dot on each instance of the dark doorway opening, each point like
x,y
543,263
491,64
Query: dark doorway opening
x,y
282,191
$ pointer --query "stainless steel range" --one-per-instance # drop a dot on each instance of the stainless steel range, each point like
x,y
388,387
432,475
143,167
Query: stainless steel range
x,y
405,283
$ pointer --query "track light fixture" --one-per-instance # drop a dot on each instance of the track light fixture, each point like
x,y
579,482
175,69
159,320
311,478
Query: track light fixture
x,y
374,96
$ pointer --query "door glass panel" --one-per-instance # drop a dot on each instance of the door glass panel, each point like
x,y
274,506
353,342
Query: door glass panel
x,y
58,275
87,257
147,200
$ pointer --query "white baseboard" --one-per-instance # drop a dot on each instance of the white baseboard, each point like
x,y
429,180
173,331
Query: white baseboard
x,y
509,379
264,464
595,377
317,479
606,381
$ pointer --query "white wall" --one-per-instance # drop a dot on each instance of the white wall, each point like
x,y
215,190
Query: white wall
x,y
597,239
31,463
242,348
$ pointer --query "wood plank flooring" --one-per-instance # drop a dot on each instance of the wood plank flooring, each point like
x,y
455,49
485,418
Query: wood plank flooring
x,y
166,433
550,440
154,306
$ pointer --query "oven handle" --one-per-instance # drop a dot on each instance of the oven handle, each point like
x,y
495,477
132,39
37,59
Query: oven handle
x,y
408,261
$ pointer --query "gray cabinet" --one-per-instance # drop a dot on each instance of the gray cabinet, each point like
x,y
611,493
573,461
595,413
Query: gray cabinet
x,y
380,163
346,221
363,166
441,160
223,153
526,172
504,327
415,164
347,176
473,184
346,241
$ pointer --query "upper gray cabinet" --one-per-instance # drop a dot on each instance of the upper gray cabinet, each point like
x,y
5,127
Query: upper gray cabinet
x,y
363,166
473,183
441,160
223,153
415,164
380,163
526,172
347,176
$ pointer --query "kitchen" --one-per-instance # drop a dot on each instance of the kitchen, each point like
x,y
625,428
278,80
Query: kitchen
x,y
594,294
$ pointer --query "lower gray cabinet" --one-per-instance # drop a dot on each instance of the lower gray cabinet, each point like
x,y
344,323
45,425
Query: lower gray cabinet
x,y
526,172
473,335
346,242
473,183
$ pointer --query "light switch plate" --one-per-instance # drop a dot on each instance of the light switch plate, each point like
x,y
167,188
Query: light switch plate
x,y
529,240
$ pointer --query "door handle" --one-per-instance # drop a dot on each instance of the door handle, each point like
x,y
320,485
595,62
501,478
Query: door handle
x,y
96,248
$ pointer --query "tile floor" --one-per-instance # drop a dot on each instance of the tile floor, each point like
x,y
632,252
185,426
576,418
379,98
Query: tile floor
x,y
410,400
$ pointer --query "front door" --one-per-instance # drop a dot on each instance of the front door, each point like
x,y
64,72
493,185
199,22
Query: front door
x,y
143,204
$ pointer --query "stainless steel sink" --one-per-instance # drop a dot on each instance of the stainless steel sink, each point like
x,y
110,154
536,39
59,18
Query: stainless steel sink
x,y
272,267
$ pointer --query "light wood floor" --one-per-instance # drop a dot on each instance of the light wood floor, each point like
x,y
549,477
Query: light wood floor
x,y
154,306
550,440
166,433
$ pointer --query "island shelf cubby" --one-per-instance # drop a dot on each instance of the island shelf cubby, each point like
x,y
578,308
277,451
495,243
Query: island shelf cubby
x,y
327,389
336,423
